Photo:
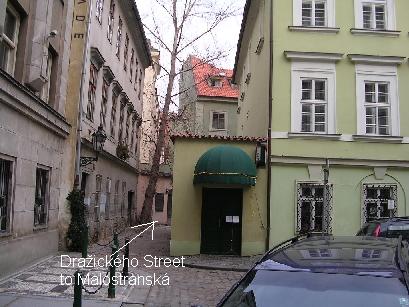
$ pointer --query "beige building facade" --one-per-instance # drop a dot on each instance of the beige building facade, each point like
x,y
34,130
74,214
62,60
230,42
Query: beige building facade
x,y
112,97
34,56
161,211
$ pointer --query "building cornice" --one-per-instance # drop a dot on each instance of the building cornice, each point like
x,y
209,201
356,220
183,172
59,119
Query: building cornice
x,y
275,159
376,59
313,56
17,96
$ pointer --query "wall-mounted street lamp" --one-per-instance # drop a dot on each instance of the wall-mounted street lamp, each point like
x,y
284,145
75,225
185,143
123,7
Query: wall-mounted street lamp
x,y
98,141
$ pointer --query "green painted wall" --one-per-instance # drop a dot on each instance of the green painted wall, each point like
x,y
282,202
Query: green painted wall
x,y
253,109
342,42
187,200
347,184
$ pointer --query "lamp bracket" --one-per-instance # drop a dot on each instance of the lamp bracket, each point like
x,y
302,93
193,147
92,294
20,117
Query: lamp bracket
x,y
84,161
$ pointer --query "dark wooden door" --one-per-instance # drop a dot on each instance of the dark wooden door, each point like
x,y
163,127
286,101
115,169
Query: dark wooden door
x,y
221,221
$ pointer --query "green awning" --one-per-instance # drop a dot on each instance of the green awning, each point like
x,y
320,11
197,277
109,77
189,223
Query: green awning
x,y
225,165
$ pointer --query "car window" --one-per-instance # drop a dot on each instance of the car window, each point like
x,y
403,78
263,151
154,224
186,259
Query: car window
x,y
293,289
394,231
367,229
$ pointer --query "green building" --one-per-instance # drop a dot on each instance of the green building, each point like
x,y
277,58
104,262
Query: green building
x,y
332,76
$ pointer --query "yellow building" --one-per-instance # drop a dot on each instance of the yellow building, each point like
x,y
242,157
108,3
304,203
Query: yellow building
x,y
219,197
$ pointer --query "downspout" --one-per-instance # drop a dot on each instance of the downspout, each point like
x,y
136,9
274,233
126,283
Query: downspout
x,y
270,100
77,179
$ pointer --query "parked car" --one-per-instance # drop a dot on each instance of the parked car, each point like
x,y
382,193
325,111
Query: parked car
x,y
386,227
326,271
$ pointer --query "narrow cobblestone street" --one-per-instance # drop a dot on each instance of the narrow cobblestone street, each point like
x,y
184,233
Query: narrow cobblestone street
x,y
187,286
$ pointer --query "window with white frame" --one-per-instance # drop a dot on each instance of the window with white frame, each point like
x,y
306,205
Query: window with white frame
x,y
126,51
313,105
314,13
313,97
375,15
104,103
312,216
111,21
131,65
378,201
8,43
113,113
218,120
118,38
99,9
92,86
45,91
377,109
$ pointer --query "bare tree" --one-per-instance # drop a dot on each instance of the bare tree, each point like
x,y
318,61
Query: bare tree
x,y
184,16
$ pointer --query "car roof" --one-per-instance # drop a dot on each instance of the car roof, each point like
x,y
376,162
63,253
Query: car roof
x,y
328,254
404,219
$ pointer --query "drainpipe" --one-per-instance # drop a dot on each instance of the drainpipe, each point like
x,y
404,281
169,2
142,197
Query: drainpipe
x,y
270,100
81,99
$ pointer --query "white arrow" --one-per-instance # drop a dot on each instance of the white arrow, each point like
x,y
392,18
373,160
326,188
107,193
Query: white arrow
x,y
150,225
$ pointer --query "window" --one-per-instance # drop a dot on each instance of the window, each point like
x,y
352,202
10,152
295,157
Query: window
x,y
311,214
159,202
218,120
135,85
313,97
127,124
98,187
378,201
108,198
93,74
375,15
116,196
98,10
41,197
113,113
119,38
111,21
121,121
313,105
140,84
131,64
45,92
104,103
126,51
377,106
314,13
123,198
5,189
133,132
215,82
8,43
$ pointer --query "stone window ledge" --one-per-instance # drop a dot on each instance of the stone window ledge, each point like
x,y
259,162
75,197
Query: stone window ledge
x,y
318,136
378,138
314,29
389,33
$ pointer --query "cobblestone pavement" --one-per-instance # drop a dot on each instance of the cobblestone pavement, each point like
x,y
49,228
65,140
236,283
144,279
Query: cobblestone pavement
x,y
187,286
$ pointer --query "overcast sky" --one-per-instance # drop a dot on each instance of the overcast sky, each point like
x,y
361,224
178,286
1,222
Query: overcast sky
x,y
223,38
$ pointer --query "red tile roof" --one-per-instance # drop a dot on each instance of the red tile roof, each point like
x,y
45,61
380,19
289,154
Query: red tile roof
x,y
202,71
218,137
